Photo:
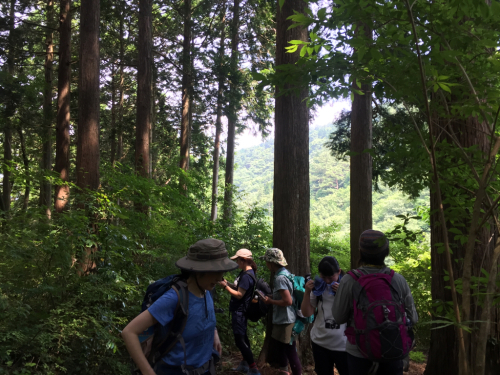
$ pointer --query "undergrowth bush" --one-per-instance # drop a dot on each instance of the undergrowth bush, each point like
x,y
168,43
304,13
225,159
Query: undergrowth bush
x,y
54,320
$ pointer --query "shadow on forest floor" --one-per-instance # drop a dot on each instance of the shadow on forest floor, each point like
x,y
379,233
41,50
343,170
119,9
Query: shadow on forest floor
x,y
231,360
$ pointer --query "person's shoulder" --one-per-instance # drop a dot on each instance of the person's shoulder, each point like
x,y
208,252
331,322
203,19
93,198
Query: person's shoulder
x,y
346,278
249,273
282,279
398,276
400,279
167,300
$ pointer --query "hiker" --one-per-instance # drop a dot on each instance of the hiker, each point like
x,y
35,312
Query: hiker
x,y
241,296
327,336
387,325
202,269
283,313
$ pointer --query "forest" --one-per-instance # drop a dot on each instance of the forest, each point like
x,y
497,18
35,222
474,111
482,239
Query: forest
x,y
118,128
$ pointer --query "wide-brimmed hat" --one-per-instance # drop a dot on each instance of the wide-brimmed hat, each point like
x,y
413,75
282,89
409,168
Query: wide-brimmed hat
x,y
373,242
275,255
208,255
242,253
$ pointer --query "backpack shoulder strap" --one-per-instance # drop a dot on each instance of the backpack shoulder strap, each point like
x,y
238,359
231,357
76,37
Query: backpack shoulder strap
x,y
181,311
356,274
251,275
388,271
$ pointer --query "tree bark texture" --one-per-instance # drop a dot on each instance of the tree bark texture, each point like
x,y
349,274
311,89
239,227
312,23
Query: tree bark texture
x,y
113,116
9,113
87,154
26,163
360,169
119,140
291,225
61,195
45,186
291,155
143,123
360,163
232,112
186,85
443,353
218,121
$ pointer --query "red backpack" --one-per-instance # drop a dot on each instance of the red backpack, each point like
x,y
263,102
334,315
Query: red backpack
x,y
380,327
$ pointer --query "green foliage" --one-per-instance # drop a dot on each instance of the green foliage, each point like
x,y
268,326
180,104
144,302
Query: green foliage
x,y
329,182
418,357
55,320
414,263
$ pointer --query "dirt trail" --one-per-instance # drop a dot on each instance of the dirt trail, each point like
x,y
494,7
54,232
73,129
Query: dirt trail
x,y
231,360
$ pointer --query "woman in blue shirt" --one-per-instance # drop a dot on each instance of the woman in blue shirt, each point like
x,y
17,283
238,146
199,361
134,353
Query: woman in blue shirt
x,y
202,268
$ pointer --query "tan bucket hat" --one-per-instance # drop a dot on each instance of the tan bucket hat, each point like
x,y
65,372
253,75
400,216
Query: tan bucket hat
x,y
209,255
242,253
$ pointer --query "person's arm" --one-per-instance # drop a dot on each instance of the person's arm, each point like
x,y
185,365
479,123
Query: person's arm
x,y
341,308
306,307
238,294
130,335
285,301
217,344
411,311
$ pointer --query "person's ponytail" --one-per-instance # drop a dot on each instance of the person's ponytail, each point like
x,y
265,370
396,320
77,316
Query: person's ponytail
x,y
252,264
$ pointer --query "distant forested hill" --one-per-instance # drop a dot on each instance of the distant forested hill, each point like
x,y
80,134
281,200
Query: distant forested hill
x,y
329,181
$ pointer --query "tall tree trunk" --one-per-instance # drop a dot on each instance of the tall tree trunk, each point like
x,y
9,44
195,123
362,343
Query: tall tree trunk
x,y
444,351
143,89
45,186
119,141
360,163
26,163
87,157
232,112
87,153
218,122
186,85
291,226
63,106
9,113
153,150
113,116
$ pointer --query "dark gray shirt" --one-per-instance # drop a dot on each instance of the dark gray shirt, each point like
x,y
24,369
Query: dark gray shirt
x,y
342,309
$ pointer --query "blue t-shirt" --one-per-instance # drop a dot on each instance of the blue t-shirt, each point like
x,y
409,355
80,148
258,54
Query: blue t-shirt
x,y
199,331
244,281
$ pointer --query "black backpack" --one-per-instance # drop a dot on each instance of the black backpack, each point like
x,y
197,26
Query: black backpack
x,y
158,340
257,309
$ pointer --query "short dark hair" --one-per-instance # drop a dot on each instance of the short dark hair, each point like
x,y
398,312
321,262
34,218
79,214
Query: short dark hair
x,y
375,259
328,266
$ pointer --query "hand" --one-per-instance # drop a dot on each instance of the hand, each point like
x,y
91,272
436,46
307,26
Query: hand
x,y
217,344
335,286
266,300
309,286
223,284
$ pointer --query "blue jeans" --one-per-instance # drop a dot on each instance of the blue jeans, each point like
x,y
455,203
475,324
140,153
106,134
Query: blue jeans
x,y
362,366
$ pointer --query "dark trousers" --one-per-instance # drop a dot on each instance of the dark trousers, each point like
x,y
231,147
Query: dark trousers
x,y
287,354
239,325
362,366
325,359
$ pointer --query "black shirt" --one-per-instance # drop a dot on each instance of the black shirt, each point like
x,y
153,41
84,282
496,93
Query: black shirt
x,y
246,282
